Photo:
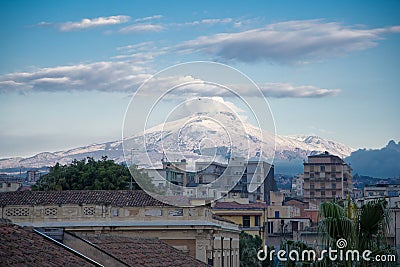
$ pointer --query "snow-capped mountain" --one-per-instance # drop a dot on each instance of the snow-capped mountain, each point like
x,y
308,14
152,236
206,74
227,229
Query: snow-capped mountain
x,y
196,137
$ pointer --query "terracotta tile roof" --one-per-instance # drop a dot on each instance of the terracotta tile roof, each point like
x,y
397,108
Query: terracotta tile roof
x,y
238,206
23,247
146,252
118,198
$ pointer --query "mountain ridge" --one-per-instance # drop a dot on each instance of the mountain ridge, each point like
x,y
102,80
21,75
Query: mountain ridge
x,y
192,137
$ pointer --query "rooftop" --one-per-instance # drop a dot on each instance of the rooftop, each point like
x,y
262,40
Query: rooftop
x,y
21,246
143,251
238,206
10,179
118,198
326,154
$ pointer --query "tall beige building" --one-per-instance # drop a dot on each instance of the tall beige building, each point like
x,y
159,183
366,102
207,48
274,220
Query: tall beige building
x,y
326,177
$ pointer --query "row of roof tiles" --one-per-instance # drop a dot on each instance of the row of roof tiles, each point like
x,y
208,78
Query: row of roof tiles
x,y
118,198
22,246
239,206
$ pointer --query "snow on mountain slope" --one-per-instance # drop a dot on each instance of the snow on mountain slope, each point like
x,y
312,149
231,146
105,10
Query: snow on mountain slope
x,y
192,137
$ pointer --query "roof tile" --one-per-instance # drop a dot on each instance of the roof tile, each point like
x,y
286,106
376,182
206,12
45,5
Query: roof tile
x,y
238,206
118,198
146,252
23,247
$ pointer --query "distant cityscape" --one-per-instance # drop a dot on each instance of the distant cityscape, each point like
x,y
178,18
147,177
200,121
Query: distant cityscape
x,y
205,234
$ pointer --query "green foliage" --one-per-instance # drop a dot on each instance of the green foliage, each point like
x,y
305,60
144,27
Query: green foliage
x,y
290,245
89,174
363,228
248,248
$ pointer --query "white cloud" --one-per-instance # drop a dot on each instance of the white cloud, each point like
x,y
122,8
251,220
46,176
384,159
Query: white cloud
x,y
99,76
141,28
125,76
194,87
291,41
136,47
140,53
90,23
209,21
205,105
148,18
280,90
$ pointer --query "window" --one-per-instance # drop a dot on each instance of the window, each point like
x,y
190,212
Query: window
x,y
246,221
115,213
322,168
333,186
333,193
311,186
277,214
257,220
270,227
322,193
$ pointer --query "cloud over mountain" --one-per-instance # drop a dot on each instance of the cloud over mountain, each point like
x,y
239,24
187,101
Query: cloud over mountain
x,y
124,76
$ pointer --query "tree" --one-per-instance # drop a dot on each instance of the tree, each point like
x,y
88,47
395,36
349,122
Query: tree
x,y
363,229
89,174
248,249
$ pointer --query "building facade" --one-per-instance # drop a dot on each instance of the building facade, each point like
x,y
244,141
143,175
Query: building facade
x,y
126,213
10,183
252,179
297,189
382,190
249,216
32,176
282,218
326,177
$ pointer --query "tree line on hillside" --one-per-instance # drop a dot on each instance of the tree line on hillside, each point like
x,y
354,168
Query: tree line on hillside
x,y
90,174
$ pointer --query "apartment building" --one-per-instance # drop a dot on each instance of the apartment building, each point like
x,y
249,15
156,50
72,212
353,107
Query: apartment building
x,y
326,177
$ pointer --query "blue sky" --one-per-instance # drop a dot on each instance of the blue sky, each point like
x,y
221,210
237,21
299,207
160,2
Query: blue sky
x,y
68,69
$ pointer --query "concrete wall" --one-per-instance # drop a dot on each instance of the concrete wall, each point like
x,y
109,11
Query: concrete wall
x,y
9,186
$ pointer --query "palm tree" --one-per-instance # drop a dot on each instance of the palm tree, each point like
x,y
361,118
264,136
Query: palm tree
x,y
363,228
